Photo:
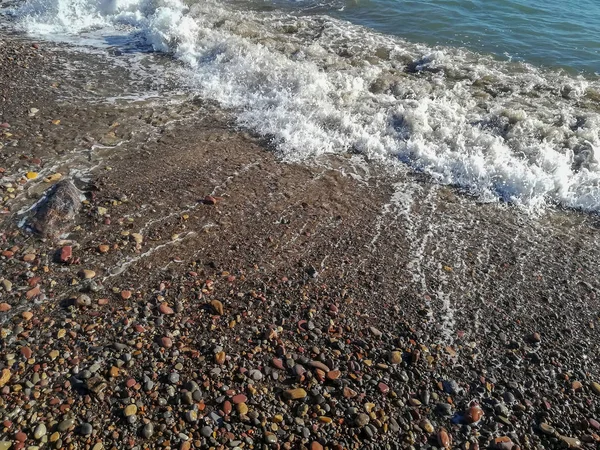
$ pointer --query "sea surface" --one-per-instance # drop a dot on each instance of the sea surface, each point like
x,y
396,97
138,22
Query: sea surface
x,y
500,98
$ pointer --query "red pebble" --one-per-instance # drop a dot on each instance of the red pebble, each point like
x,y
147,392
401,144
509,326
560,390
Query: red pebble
x,y
210,200
20,436
66,253
240,398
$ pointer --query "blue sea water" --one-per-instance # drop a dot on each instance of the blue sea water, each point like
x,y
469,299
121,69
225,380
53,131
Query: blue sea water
x,y
550,33
554,33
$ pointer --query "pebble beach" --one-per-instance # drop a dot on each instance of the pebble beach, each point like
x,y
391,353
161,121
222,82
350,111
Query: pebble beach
x,y
198,292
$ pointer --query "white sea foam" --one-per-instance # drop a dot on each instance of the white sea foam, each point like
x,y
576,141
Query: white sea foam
x,y
316,85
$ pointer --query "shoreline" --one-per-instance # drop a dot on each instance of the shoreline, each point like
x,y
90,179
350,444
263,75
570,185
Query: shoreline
x,y
322,306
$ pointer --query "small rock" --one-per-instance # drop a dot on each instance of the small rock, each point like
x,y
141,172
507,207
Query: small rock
x,y
443,438
65,425
137,238
395,357
595,387
86,429
270,438
39,432
7,285
66,253
295,394
87,274
217,307
547,429
361,420
164,308
473,415
130,410
148,430
571,442
54,215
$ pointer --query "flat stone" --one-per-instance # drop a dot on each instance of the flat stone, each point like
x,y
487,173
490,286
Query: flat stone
x,y
87,274
4,307
65,425
383,388
547,429
571,442
319,365
443,438
137,238
164,308
40,431
130,410
295,394
595,387
240,398
166,342
333,374
270,438
148,430
33,292
7,285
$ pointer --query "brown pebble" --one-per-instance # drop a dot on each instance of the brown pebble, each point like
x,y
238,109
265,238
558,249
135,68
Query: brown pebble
x,y
474,414
443,438
103,248
166,342
333,374
164,308
4,377
125,295
217,307
240,398
395,357
295,394
220,358
5,307
33,292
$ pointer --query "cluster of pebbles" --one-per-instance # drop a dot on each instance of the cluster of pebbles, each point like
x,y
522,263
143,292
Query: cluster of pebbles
x,y
127,335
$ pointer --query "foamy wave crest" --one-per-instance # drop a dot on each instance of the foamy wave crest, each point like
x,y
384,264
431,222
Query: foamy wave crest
x,y
316,85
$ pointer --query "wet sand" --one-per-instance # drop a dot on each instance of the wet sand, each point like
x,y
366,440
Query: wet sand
x,y
240,301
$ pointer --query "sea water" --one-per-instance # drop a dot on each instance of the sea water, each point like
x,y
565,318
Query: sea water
x,y
500,98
